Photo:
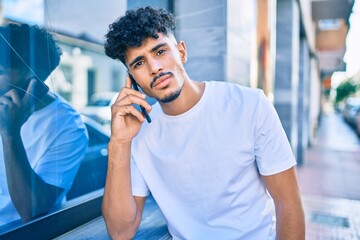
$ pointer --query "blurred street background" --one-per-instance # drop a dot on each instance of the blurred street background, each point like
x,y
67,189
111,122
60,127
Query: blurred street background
x,y
304,54
329,181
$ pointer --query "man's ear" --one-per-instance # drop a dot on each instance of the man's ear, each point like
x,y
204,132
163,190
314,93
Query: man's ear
x,y
182,50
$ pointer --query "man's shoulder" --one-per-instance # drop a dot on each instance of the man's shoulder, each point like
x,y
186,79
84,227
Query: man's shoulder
x,y
58,113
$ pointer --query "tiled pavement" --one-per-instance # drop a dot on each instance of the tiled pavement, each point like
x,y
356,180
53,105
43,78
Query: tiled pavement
x,y
331,218
330,182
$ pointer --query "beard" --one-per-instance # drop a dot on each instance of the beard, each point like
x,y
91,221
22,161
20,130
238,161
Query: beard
x,y
171,97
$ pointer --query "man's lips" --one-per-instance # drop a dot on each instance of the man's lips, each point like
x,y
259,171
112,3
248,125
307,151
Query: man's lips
x,y
158,81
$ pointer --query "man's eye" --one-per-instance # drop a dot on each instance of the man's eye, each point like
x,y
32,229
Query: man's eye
x,y
160,52
138,64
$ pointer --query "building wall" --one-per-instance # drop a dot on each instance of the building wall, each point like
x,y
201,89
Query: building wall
x,y
202,26
333,39
310,74
303,100
220,37
287,71
308,23
315,99
265,46
241,51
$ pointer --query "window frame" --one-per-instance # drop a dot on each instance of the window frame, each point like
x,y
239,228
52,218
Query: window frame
x,y
72,214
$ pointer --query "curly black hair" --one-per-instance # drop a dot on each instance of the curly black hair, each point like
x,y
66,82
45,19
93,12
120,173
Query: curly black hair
x,y
136,26
23,46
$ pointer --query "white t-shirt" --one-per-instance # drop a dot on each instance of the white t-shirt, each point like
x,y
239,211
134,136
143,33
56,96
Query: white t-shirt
x,y
203,167
55,140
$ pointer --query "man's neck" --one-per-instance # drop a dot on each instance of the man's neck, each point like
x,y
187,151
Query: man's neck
x,y
190,95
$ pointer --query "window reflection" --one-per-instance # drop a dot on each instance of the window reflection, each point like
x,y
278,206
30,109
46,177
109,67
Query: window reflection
x,y
66,153
43,139
83,72
92,172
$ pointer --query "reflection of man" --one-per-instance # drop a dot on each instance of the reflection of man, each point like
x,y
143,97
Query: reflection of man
x,y
212,154
42,137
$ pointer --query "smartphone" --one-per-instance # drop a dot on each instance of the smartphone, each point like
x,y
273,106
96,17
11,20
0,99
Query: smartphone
x,y
40,88
135,87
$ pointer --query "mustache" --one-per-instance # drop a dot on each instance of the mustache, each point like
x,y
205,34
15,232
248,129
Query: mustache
x,y
159,76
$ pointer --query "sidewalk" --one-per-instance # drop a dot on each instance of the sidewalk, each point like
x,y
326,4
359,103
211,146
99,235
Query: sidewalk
x,y
329,181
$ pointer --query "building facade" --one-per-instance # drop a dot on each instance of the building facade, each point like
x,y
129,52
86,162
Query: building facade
x,y
265,44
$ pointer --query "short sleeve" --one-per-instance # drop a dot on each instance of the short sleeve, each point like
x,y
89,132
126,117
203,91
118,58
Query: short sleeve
x,y
65,149
273,152
138,184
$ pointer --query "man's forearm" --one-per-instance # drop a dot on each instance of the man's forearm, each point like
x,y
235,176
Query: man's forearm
x,y
30,195
119,207
290,223
284,189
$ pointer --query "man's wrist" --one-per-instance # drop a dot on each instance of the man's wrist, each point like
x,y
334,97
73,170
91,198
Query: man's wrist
x,y
114,140
117,146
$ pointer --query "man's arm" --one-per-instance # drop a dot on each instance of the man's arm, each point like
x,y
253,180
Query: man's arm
x,y
30,195
121,210
283,187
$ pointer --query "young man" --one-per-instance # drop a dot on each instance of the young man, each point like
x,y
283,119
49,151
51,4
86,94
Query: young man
x,y
211,154
42,138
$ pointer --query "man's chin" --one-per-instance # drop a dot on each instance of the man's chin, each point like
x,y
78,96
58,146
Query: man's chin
x,y
171,97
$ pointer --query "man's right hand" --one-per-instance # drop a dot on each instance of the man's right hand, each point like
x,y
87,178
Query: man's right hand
x,y
126,120
14,110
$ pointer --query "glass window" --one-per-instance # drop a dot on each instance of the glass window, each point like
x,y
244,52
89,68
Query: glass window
x,y
91,80
116,79
52,57
166,4
52,62
43,137
64,86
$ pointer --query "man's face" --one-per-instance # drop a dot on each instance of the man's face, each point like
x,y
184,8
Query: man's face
x,y
12,78
157,66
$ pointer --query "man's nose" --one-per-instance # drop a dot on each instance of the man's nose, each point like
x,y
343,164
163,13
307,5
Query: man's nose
x,y
155,67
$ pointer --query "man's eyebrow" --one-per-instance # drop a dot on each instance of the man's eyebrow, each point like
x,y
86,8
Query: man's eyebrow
x,y
158,46
138,58
152,50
